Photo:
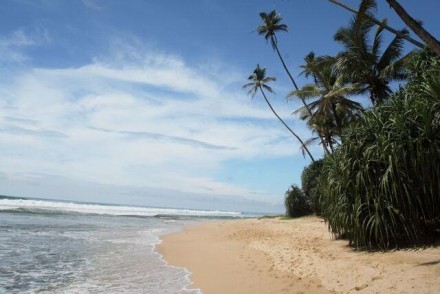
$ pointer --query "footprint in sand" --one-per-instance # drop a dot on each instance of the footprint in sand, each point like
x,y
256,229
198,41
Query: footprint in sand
x,y
358,288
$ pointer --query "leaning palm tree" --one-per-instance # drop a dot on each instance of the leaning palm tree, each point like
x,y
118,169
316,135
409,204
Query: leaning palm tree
x,y
258,82
270,26
367,64
416,27
330,108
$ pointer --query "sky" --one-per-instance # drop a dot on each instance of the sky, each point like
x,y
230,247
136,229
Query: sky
x,y
140,102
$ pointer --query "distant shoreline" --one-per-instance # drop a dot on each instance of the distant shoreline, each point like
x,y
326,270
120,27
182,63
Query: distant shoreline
x,y
293,256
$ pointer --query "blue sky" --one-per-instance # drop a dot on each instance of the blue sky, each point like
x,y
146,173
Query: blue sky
x,y
140,102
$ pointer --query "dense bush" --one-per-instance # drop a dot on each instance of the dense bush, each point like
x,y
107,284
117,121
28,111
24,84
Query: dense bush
x,y
381,188
309,184
296,202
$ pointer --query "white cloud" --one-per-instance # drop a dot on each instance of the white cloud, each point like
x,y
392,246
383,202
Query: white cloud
x,y
12,46
137,119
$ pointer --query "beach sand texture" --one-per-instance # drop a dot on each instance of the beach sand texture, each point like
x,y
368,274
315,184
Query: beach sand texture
x,y
294,256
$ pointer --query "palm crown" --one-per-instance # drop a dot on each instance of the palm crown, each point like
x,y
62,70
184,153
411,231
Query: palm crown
x,y
258,79
271,24
365,63
331,110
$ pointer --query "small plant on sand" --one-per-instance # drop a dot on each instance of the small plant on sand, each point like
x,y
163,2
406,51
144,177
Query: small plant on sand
x,y
296,202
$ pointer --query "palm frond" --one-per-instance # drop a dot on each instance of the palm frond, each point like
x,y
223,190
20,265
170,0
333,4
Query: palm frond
x,y
377,42
392,52
270,26
306,92
266,87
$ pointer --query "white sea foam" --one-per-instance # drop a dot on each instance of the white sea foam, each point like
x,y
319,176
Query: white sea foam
x,y
55,206
86,253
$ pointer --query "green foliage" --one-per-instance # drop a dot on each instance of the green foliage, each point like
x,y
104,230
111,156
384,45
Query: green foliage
x,y
309,183
330,110
270,26
296,202
365,60
381,188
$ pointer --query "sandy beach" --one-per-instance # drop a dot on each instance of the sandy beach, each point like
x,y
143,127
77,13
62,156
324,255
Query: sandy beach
x,y
294,256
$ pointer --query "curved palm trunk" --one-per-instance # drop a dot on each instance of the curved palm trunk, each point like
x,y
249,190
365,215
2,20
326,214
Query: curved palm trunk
x,y
282,121
423,34
375,21
285,67
296,88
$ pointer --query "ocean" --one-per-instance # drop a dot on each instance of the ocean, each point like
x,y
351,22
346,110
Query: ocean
x,y
49,246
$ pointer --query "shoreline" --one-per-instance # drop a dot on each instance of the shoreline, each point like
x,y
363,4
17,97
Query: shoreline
x,y
293,256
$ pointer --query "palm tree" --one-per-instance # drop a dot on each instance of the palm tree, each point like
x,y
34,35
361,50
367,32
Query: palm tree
x,y
331,110
416,27
366,64
270,26
258,82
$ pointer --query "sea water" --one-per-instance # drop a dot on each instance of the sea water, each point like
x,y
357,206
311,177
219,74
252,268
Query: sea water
x,y
66,247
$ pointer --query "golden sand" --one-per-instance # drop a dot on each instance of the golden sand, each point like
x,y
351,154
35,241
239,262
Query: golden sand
x,y
294,256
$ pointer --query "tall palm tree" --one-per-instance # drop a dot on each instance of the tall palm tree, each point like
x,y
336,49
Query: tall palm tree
x,y
258,82
270,26
331,109
366,64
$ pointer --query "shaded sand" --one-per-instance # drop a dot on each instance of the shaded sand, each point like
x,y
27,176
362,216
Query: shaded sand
x,y
294,256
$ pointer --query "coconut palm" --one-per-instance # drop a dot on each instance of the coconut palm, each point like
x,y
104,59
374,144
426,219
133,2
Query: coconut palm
x,y
366,64
331,109
270,26
258,82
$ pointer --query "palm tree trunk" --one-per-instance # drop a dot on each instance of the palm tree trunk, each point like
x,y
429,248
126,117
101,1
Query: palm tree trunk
x,y
331,145
286,69
388,28
337,120
282,121
296,88
423,34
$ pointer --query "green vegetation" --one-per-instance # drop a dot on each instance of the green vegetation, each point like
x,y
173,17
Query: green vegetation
x,y
310,185
378,184
296,202
382,186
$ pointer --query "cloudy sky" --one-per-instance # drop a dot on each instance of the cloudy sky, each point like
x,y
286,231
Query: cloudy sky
x,y
140,102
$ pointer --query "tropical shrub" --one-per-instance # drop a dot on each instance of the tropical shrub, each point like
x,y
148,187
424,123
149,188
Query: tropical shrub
x,y
296,203
381,188
309,184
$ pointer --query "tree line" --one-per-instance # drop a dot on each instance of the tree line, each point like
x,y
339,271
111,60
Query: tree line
x,y
378,184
